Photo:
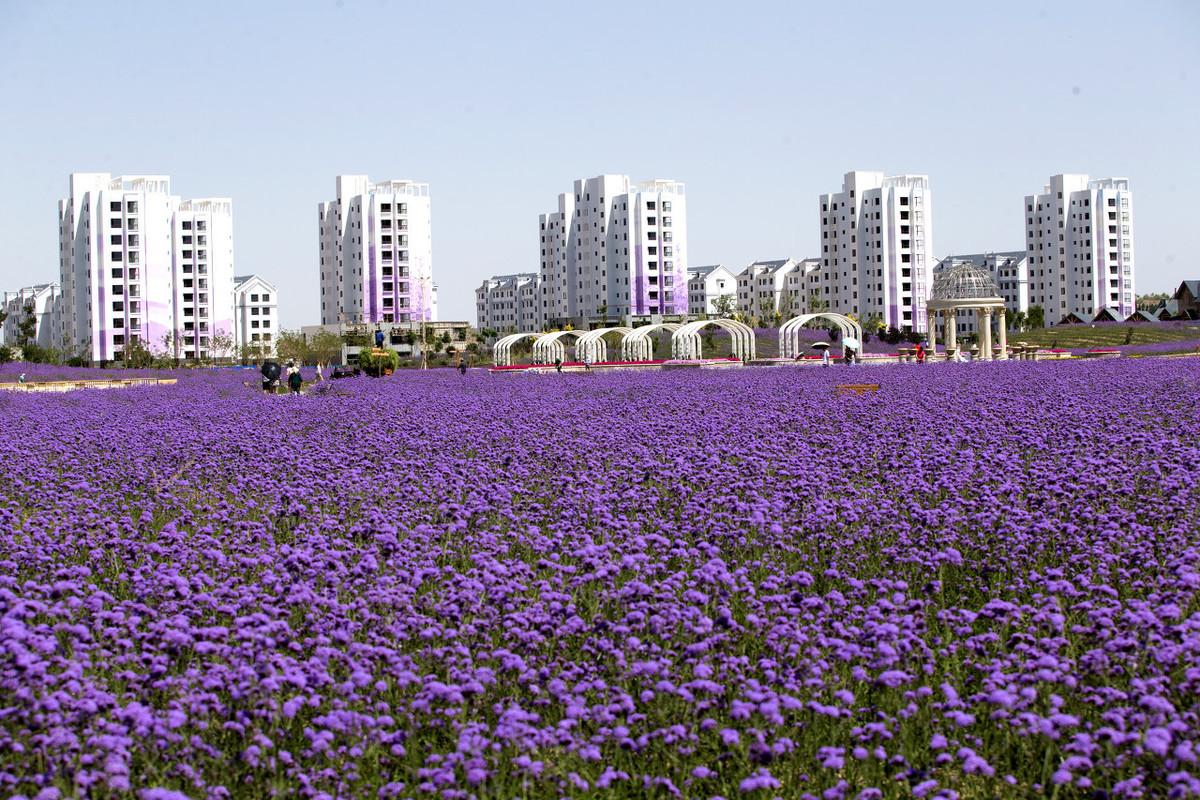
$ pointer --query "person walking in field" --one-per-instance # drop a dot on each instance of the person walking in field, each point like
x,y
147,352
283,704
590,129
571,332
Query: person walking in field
x,y
294,378
320,374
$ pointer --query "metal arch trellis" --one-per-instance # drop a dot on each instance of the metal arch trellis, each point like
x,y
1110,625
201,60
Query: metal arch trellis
x,y
592,348
685,342
789,332
502,351
636,345
551,347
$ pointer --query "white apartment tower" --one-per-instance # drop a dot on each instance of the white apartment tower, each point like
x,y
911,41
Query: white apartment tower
x,y
376,253
137,263
1079,239
876,246
614,249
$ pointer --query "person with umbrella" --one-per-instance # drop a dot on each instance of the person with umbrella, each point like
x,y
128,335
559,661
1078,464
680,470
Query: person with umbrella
x,y
824,348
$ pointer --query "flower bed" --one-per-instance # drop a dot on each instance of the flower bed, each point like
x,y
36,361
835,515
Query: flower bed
x,y
647,583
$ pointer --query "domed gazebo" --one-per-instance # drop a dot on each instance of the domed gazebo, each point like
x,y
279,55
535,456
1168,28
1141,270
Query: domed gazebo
x,y
966,287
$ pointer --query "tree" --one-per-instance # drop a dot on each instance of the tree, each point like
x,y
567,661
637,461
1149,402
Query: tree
x,y
1019,321
325,347
290,346
766,308
221,345
1036,317
815,304
725,306
137,355
1149,302
786,309
378,362
27,326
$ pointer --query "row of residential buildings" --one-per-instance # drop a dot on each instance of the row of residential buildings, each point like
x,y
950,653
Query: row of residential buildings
x,y
140,264
618,251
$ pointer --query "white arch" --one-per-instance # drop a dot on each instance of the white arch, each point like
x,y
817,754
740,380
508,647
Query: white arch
x,y
502,351
551,347
789,332
636,345
592,348
685,342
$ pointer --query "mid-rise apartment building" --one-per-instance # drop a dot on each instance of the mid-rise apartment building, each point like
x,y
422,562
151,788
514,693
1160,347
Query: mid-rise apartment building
x,y
255,315
509,303
876,248
1009,269
800,286
707,285
614,249
139,264
1079,241
767,288
376,253
42,305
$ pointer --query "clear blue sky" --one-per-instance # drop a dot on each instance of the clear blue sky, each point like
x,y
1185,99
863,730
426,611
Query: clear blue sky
x,y
758,107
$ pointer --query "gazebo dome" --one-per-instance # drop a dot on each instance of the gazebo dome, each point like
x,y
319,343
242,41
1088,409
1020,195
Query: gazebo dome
x,y
964,282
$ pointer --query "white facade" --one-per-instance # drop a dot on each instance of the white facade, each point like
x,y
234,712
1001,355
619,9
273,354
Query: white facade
x,y
255,314
1009,269
706,285
376,253
763,288
876,246
138,263
614,249
1079,240
45,302
799,286
509,303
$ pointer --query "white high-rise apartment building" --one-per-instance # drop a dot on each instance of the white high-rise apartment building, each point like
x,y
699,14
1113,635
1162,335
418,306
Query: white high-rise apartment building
x,y
614,249
255,315
508,303
1079,239
876,248
140,264
376,253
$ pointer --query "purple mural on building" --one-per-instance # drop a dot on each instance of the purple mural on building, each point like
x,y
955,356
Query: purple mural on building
x,y
372,299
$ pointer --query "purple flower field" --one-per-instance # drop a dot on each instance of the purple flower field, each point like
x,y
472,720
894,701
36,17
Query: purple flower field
x,y
981,581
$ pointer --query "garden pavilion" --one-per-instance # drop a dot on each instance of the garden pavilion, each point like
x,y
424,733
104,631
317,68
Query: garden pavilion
x,y
966,288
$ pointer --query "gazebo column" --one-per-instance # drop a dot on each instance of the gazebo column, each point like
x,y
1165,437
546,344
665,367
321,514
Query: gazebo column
x,y
985,331
932,318
952,330
1003,337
